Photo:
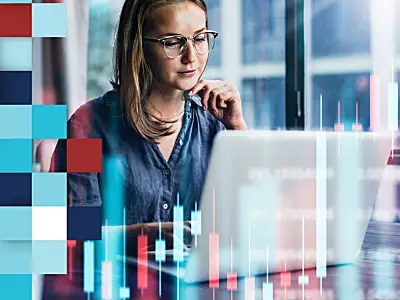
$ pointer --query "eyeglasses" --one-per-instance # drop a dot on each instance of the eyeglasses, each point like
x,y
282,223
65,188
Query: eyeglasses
x,y
174,46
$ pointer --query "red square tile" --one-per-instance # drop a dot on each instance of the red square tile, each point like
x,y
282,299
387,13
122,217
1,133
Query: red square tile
x,y
84,156
15,20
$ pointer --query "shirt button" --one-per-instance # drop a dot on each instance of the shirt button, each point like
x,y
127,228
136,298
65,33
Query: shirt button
x,y
166,172
189,104
180,142
165,206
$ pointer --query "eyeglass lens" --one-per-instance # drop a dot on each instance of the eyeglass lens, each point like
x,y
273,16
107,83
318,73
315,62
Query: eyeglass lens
x,y
203,43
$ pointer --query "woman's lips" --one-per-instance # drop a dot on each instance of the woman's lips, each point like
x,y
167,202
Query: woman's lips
x,y
188,74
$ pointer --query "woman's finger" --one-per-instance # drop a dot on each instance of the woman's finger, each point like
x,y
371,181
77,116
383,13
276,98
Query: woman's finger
x,y
205,95
187,228
187,235
188,240
212,101
205,92
223,95
221,103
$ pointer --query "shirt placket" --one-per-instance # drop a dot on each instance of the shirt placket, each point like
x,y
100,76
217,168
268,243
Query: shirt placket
x,y
167,171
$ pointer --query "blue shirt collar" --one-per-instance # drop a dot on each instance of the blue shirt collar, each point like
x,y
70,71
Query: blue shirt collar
x,y
194,99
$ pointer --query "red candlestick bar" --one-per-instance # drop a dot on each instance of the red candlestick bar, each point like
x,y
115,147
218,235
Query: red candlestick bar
x,y
143,261
286,279
338,126
232,277
70,248
357,126
213,260
231,282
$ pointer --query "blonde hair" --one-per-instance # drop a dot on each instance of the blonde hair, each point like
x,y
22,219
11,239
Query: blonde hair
x,y
132,74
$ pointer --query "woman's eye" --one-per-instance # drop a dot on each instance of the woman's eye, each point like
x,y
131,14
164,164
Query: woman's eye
x,y
173,43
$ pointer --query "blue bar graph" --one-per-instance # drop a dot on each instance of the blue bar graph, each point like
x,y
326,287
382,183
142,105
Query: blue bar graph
x,y
113,194
178,233
88,267
160,255
393,106
196,221
321,172
124,291
268,291
160,251
267,288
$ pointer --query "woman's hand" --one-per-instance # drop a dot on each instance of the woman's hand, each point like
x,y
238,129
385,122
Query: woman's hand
x,y
152,231
222,99
135,230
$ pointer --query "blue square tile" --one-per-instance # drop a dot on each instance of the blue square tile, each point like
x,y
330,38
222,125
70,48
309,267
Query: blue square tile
x,y
15,257
15,286
15,223
84,222
49,257
49,189
15,121
49,20
49,121
10,196
15,155
16,54
16,87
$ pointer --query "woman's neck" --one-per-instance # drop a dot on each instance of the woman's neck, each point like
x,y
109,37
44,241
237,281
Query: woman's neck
x,y
166,105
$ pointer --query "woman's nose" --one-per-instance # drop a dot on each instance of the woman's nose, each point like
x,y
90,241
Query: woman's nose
x,y
190,53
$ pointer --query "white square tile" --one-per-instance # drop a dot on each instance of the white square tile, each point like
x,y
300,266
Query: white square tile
x,y
49,223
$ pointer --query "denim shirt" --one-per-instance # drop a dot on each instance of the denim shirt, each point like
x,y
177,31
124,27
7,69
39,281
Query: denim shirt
x,y
150,183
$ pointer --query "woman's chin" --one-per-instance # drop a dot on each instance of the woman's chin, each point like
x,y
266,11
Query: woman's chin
x,y
186,85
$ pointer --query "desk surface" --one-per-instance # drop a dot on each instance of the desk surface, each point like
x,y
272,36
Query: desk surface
x,y
375,276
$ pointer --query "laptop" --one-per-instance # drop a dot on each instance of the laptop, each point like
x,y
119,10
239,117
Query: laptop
x,y
276,201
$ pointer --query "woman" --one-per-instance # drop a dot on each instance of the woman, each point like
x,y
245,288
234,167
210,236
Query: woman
x,y
168,118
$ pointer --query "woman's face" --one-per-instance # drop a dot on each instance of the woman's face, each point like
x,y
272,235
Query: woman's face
x,y
185,19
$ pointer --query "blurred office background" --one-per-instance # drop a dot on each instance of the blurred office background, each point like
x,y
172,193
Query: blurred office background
x,y
339,52
346,41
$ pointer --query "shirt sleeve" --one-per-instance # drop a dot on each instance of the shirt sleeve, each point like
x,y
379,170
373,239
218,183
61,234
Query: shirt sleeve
x,y
220,126
82,188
